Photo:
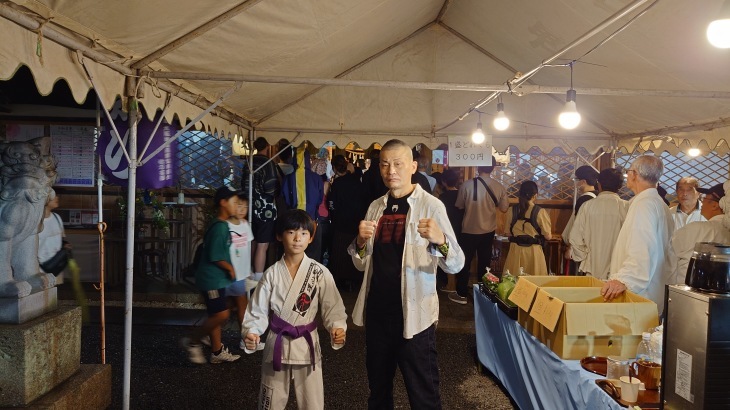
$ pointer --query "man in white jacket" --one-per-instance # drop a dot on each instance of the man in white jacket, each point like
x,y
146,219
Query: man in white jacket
x,y
642,260
404,237
688,208
597,226
712,230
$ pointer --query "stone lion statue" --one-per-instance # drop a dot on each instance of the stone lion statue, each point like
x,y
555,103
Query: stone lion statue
x,y
27,172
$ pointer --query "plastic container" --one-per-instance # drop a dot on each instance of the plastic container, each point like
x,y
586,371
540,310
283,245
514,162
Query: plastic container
x,y
656,344
644,352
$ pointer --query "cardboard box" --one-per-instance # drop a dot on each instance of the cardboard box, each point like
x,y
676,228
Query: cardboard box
x,y
576,322
526,289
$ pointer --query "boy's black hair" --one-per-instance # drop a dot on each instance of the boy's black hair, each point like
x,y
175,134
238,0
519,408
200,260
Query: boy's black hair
x,y
294,219
243,196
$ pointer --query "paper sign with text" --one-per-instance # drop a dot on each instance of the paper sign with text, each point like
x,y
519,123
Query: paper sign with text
x,y
463,152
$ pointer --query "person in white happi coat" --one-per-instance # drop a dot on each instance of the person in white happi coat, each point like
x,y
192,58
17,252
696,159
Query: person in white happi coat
x,y
712,230
287,300
585,179
642,260
405,236
689,207
597,226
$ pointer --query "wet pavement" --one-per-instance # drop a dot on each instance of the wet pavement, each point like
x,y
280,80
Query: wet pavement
x,y
162,377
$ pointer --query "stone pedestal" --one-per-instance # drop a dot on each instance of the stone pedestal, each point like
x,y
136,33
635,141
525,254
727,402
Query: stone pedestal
x,y
38,355
89,388
28,308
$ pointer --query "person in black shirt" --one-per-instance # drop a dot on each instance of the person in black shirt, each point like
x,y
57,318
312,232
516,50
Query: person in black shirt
x,y
406,234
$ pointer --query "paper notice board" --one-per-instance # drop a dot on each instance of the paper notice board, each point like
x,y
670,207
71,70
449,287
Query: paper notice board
x,y
463,152
71,145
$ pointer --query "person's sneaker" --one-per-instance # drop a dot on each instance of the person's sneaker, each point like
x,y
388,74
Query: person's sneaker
x,y
223,356
205,340
454,297
445,290
195,352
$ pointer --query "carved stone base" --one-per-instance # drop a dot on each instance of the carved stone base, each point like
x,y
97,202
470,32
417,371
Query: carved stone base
x,y
89,388
14,310
38,355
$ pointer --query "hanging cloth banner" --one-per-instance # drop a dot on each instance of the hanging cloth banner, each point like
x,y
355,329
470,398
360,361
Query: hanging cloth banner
x,y
159,172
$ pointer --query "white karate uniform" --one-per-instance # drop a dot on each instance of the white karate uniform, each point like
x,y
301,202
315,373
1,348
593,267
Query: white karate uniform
x,y
296,301
642,258
681,219
684,239
595,231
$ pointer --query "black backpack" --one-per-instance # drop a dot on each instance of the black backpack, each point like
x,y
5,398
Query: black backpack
x,y
527,240
198,255
258,179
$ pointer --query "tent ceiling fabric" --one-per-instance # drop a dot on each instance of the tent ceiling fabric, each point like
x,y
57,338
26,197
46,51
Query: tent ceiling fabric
x,y
476,42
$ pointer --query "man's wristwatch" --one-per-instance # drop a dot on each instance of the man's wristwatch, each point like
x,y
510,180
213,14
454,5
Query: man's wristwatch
x,y
444,247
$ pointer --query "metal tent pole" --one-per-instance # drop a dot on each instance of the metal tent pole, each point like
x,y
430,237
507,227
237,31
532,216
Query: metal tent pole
x,y
101,225
129,271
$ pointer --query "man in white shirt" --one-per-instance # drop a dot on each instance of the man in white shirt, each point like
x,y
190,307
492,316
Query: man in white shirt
x,y
585,179
597,226
711,230
642,260
689,208
405,235
480,198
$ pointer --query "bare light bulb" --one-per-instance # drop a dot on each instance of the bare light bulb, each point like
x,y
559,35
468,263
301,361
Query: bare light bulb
x,y
501,122
693,152
718,33
478,136
570,117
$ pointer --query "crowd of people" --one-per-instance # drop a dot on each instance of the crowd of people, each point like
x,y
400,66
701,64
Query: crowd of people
x,y
399,234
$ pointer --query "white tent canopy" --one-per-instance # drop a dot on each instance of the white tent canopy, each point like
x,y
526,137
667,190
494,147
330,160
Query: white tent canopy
x,y
367,71
403,68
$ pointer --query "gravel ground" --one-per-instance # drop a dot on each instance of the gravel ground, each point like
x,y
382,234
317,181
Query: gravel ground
x,y
162,377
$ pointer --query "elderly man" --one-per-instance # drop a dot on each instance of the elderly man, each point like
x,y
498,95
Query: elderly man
x,y
689,209
711,230
642,260
404,237
597,226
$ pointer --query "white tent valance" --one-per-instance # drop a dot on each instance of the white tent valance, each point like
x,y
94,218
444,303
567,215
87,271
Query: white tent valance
x,y
715,140
19,47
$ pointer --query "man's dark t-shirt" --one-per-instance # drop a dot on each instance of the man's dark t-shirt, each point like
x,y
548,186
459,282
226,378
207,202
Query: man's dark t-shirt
x,y
384,297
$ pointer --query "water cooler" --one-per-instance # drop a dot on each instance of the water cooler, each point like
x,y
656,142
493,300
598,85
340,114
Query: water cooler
x,y
696,354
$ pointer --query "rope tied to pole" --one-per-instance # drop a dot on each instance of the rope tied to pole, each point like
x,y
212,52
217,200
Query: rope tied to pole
x,y
39,41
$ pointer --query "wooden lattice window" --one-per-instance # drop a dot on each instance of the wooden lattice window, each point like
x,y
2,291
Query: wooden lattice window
x,y
553,172
709,169
206,162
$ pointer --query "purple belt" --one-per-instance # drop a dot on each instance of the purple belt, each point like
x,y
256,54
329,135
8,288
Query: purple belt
x,y
283,328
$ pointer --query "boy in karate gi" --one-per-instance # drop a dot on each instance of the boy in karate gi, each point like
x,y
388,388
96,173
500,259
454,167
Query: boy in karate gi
x,y
287,299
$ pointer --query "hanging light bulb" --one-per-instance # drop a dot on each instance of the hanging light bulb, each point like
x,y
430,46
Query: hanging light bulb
x,y
478,136
693,152
501,122
718,31
570,117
